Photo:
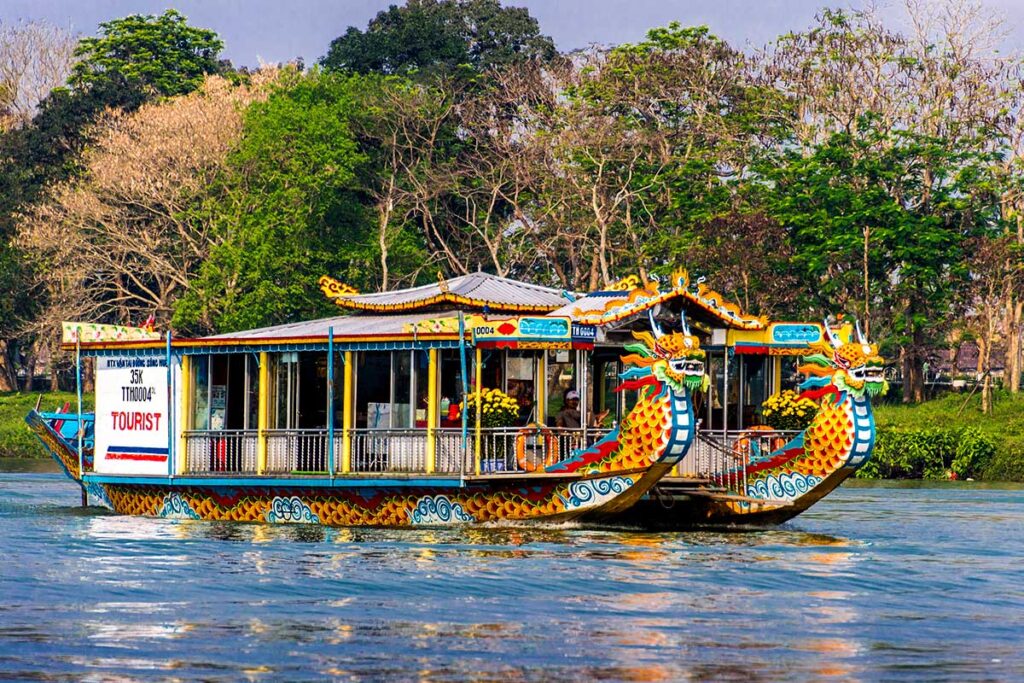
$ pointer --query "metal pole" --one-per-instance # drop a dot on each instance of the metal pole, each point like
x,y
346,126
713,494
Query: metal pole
x,y
725,397
170,412
465,390
81,428
330,401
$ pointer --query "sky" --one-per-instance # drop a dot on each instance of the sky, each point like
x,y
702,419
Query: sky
x,y
273,31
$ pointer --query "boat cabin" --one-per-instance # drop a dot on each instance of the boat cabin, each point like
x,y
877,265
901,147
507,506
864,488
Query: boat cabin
x,y
380,391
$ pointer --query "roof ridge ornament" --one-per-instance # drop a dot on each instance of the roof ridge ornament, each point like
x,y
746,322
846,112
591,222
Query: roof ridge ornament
x,y
442,283
333,289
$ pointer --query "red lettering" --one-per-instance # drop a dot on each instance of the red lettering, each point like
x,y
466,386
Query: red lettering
x,y
135,421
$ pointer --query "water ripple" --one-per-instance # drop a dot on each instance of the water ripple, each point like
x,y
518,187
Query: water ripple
x,y
873,583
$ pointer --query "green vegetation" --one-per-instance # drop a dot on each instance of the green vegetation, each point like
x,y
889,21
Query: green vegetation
x,y
930,439
16,440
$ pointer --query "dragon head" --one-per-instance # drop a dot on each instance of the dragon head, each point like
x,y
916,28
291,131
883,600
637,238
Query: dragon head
x,y
854,366
673,358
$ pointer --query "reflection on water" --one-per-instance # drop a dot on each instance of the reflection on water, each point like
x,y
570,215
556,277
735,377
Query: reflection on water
x,y
872,583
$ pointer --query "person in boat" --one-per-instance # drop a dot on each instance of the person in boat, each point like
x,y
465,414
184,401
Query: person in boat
x,y
569,416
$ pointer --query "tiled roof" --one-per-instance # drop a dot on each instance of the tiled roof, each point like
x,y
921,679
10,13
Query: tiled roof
x,y
475,290
344,326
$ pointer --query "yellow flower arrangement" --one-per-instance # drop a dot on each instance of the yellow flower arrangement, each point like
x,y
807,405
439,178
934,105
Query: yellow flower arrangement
x,y
497,409
787,411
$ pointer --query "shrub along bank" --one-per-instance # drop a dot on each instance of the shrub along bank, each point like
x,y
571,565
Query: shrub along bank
x,y
950,434
928,441
16,440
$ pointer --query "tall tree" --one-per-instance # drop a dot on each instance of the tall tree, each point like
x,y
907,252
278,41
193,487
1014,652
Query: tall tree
x,y
288,210
440,35
158,54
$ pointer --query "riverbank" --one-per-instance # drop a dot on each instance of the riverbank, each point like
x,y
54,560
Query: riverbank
x,y
16,441
989,447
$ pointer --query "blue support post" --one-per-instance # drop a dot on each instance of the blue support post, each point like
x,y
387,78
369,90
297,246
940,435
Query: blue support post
x,y
78,390
465,386
170,412
330,400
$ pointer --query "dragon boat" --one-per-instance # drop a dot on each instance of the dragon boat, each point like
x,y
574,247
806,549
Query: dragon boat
x,y
476,399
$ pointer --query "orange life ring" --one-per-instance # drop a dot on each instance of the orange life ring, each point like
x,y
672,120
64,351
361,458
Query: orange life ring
x,y
528,440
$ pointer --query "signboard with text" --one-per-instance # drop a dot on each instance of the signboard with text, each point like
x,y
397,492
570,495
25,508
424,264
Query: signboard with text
x,y
131,415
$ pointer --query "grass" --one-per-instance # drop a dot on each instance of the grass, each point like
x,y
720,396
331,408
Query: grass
x,y
1005,426
16,441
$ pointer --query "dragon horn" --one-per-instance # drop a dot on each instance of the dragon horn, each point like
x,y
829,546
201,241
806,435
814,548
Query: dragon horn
x,y
686,327
860,335
833,338
655,327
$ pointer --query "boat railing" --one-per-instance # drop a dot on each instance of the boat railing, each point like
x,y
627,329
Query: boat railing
x,y
301,451
724,456
296,451
215,451
531,448
389,450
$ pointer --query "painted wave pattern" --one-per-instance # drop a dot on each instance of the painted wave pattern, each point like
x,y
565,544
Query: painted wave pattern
x,y
290,511
176,507
594,491
439,510
786,486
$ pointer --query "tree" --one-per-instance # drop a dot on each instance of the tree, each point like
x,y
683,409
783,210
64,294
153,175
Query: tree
x,y
35,58
162,55
440,36
120,242
287,211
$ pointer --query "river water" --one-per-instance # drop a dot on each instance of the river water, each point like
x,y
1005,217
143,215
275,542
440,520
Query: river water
x,y
871,584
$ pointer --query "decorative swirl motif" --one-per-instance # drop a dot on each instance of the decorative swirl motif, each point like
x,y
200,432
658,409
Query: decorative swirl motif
x,y
100,494
333,289
439,510
291,511
583,492
786,486
175,507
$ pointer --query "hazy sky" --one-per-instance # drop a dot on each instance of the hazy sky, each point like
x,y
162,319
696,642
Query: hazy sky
x,y
280,30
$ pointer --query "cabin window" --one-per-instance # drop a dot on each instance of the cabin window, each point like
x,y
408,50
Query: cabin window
x,y
225,392
753,370
450,386
391,389
521,383
299,397
561,376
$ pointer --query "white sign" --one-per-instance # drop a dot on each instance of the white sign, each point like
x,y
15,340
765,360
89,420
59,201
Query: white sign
x,y
131,415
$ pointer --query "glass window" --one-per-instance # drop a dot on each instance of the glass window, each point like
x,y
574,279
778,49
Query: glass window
x,y
200,392
450,385
373,389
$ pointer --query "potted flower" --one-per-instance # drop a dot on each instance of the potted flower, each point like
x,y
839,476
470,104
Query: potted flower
x,y
786,411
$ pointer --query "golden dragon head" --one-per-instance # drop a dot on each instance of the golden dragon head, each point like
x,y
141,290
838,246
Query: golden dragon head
x,y
854,366
673,358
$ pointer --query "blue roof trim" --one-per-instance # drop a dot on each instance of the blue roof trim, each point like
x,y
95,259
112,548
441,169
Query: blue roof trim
x,y
265,482
409,345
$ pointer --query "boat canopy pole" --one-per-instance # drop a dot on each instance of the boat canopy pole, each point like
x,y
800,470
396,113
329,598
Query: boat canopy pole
x,y
465,390
81,427
170,412
330,400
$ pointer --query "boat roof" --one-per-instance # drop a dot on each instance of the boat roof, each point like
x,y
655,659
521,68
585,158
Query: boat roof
x,y
477,290
608,307
426,324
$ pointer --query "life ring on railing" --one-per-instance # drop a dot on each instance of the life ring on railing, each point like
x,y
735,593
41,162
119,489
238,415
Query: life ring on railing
x,y
536,448
744,444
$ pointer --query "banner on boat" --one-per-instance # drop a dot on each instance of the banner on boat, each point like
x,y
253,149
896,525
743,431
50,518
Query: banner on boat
x,y
131,415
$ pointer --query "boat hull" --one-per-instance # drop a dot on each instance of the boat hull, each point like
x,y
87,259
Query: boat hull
x,y
355,503
674,506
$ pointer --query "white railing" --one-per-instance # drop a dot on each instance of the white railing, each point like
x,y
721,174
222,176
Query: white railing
x,y
530,449
296,451
725,456
389,450
221,451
